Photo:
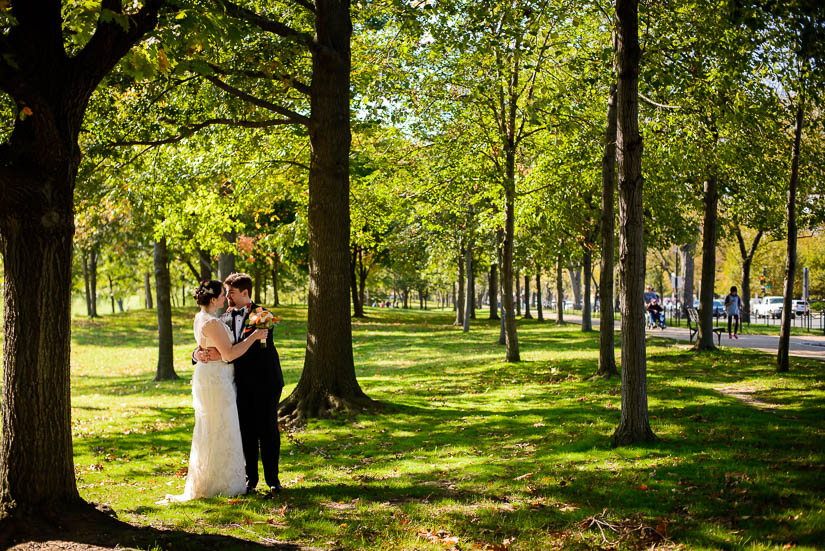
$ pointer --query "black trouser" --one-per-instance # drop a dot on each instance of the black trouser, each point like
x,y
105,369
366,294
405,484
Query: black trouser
x,y
736,325
258,417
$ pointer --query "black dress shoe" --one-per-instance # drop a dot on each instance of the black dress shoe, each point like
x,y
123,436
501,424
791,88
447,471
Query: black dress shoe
x,y
276,489
250,490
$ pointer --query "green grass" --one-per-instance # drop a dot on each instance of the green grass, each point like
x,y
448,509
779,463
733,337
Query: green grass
x,y
472,452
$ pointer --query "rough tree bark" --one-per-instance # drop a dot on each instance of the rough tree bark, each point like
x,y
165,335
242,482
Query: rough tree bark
x,y
539,308
328,380
704,337
163,285
38,168
607,354
747,261
527,314
559,292
782,362
634,425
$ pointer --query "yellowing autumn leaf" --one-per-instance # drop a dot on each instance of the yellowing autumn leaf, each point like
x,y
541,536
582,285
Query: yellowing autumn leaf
x,y
163,62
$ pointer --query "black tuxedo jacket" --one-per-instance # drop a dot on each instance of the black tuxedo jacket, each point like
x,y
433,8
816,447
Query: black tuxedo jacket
x,y
258,371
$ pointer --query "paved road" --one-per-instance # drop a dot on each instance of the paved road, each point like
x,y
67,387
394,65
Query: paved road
x,y
812,346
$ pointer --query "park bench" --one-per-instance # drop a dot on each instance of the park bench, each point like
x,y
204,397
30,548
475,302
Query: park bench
x,y
693,326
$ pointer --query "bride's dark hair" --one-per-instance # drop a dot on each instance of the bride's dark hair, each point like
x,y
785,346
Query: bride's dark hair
x,y
208,290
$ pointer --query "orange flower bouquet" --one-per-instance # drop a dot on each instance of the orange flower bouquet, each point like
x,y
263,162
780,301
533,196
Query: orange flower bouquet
x,y
262,319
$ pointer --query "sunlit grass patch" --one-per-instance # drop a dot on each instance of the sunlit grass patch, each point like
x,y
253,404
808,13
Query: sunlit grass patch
x,y
470,451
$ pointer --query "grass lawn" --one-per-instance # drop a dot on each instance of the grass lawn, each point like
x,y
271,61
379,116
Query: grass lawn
x,y
471,452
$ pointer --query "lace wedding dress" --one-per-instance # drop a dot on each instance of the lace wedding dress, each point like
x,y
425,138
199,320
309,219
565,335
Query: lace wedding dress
x,y
216,462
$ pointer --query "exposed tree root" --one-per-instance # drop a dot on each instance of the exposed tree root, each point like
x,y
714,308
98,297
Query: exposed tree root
x,y
627,435
300,406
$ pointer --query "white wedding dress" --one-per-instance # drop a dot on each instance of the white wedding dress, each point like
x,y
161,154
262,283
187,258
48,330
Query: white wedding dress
x,y
216,462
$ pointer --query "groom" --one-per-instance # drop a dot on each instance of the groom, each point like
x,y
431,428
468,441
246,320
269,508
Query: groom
x,y
259,381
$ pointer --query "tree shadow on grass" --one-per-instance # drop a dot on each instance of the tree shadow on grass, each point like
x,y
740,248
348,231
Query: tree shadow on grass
x,y
85,525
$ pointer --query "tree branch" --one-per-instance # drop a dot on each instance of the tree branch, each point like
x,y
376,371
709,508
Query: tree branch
x,y
195,127
286,79
290,114
266,24
111,42
659,105
306,4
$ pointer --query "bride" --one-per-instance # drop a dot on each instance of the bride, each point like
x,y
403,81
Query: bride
x,y
216,461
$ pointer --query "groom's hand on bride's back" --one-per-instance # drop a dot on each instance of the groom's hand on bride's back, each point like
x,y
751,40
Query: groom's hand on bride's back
x,y
206,354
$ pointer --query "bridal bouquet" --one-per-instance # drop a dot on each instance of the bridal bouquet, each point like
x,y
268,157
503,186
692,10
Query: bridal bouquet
x,y
262,319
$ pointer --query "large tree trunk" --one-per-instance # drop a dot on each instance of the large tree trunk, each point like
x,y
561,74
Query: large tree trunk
x,y
559,292
634,425
782,362
39,159
576,285
607,354
539,308
704,338
461,284
469,295
587,268
687,252
357,305
527,314
747,260
276,266
493,291
328,381
36,467
163,284
510,335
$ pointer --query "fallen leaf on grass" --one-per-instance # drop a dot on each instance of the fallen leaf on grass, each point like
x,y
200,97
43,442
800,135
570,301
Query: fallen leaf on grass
x,y
643,487
522,477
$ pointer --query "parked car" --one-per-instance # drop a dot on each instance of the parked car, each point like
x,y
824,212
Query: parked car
x,y
718,308
800,307
768,307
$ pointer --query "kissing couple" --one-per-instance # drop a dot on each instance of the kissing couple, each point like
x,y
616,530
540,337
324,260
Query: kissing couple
x,y
236,388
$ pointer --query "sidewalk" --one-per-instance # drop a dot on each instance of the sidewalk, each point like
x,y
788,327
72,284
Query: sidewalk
x,y
809,346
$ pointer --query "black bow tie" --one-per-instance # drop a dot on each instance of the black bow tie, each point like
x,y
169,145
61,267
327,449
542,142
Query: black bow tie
x,y
237,312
